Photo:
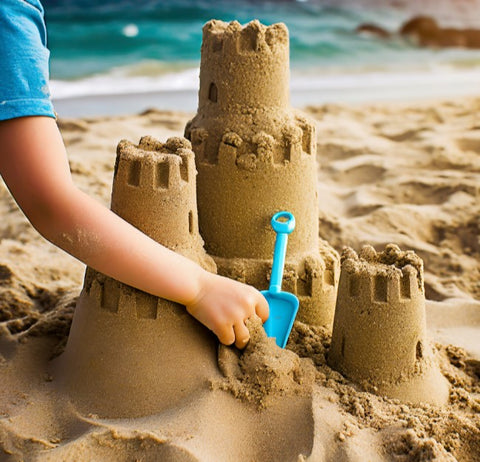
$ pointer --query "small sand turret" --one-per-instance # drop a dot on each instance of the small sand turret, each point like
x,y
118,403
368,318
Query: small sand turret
x,y
130,353
256,156
379,333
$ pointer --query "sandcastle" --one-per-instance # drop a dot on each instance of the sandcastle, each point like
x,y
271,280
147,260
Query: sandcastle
x,y
130,353
256,156
379,333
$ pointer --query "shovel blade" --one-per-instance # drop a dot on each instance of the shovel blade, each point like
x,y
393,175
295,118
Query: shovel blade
x,y
283,309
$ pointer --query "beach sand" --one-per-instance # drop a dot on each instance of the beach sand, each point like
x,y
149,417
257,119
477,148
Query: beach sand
x,y
407,174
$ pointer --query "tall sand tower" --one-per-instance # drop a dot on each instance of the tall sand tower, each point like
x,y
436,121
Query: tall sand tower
x,y
130,353
379,334
256,156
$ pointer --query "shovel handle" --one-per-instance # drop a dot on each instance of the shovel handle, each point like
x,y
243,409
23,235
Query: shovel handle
x,y
283,223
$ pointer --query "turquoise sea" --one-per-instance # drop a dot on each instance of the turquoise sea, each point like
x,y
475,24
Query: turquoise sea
x,y
127,47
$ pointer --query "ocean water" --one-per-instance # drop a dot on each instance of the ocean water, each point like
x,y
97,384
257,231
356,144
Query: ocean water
x,y
127,47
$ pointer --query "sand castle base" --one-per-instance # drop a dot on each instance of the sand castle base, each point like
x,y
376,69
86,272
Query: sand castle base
x,y
145,357
428,385
379,334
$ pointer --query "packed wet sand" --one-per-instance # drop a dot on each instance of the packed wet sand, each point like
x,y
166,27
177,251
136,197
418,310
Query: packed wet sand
x,y
407,174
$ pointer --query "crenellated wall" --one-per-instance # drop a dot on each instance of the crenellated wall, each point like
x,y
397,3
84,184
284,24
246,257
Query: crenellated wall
x,y
256,151
312,278
111,295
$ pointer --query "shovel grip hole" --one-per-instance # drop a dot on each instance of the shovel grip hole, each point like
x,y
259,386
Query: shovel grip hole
x,y
283,222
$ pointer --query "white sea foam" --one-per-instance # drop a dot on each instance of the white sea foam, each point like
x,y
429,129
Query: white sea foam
x,y
118,81
130,30
345,85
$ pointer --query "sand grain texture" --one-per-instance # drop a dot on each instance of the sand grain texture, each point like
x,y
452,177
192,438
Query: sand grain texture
x,y
407,174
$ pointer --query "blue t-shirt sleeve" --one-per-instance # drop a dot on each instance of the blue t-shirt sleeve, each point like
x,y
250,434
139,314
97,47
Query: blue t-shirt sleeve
x,y
23,60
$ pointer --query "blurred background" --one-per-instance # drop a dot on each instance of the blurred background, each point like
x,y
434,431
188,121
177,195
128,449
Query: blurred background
x,y
122,56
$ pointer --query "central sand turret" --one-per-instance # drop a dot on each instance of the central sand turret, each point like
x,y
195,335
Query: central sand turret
x,y
256,156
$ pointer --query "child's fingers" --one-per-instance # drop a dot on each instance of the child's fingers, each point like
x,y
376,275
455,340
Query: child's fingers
x,y
225,334
261,308
242,335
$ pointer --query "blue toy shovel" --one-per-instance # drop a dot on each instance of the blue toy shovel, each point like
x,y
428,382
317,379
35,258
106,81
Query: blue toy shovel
x,y
283,305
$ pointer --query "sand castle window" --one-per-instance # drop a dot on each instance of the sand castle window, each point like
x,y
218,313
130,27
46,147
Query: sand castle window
x,y
146,305
304,287
217,44
190,222
329,277
163,172
381,289
110,295
184,170
134,173
213,93
354,286
419,350
307,143
405,287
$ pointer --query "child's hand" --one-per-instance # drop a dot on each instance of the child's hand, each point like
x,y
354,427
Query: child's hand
x,y
223,305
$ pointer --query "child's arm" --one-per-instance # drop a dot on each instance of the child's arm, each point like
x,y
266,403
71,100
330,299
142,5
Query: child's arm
x,y
34,165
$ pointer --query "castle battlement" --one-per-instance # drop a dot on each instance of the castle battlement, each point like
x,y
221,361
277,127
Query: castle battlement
x,y
385,287
303,277
373,282
294,142
309,277
111,295
220,37
154,165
